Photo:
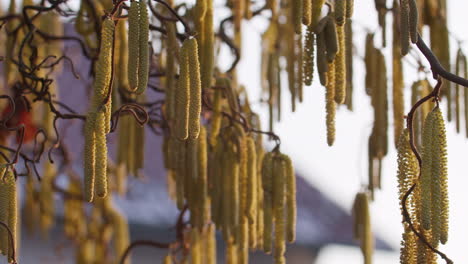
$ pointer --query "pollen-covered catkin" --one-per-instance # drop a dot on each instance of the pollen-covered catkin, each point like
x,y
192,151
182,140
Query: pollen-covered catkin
x,y
291,210
195,89
425,179
330,105
143,37
316,11
89,156
101,156
207,62
413,20
404,27
182,95
309,57
340,67
297,15
440,160
133,44
349,8
306,12
279,199
362,226
340,12
267,183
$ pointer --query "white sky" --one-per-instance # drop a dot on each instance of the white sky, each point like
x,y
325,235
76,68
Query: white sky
x,y
338,171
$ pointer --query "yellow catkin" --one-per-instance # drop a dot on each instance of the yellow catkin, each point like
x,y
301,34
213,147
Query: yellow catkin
x,y
103,65
210,241
180,172
291,210
101,156
340,12
252,190
408,249
12,213
349,8
440,175
228,190
425,180
465,75
133,44
238,11
182,95
121,237
168,259
340,67
279,199
349,64
322,64
316,11
413,20
363,231
143,37
85,252
231,253
307,12
398,84
458,71
195,89
89,156
171,54
203,176
404,27
309,57
330,106
331,40
408,168
267,183
297,15
195,246
207,61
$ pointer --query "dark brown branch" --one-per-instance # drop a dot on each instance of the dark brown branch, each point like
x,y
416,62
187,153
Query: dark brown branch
x,y
436,67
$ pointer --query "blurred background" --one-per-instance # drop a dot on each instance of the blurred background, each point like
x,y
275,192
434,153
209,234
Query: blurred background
x,y
328,177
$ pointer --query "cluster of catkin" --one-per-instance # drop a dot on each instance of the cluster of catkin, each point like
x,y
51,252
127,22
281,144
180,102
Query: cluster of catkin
x,y
8,213
428,202
106,232
376,88
327,39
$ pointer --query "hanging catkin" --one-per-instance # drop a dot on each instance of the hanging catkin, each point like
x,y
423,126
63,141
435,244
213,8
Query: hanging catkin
x,y
397,81
340,67
404,27
143,36
279,192
425,180
182,95
413,20
195,89
133,44
291,210
330,104
362,226
267,183
306,12
309,57
340,12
